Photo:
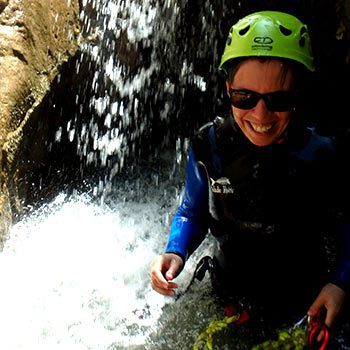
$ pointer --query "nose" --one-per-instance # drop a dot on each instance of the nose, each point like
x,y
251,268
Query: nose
x,y
260,111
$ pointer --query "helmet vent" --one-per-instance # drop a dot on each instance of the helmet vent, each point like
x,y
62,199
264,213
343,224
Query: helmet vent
x,y
285,31
244,30
303,30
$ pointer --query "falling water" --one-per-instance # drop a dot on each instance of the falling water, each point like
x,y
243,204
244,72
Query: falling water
x,y
143,86
75,271
119,40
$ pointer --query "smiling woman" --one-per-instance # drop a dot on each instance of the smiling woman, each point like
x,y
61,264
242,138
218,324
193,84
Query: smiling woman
x,y
282,192
262,102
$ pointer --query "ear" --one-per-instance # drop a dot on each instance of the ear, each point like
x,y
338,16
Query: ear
x,y
228,85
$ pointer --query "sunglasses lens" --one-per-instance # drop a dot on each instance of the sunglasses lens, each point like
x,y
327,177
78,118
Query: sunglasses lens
x,y
244,99
279,101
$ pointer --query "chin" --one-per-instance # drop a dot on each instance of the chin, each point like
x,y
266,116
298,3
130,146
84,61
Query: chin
x,y
261,144
263,140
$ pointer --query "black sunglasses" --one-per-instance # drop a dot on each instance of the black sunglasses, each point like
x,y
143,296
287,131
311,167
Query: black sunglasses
x,y
277,101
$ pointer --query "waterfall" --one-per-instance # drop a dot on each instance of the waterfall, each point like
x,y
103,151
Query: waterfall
x,y
121,44
75,271
147,83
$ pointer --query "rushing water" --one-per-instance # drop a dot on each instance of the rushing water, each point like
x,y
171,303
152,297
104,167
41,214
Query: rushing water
x,y
75,276
75,272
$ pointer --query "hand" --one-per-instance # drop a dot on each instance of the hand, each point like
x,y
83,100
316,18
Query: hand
x,y
164,268
331,298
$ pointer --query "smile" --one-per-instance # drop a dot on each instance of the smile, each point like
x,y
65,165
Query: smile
x,y
261,128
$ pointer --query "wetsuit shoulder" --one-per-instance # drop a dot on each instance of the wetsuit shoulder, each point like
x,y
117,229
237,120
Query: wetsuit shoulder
x,y
317,147
205,145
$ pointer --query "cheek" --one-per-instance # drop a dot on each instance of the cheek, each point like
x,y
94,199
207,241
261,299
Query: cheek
x,y
238,115
285,117
234,113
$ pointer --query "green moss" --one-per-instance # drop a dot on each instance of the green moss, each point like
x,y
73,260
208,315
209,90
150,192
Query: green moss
x,y
295,339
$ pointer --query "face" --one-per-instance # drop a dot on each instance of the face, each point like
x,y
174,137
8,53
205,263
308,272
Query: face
x,y
260,125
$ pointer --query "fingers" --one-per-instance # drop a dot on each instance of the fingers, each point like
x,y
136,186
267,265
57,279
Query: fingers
x,y
330,317
334,303
167,290
331,299
164,269
316,307
314,312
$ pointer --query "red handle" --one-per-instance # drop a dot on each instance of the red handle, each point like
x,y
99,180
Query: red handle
x,y
316,329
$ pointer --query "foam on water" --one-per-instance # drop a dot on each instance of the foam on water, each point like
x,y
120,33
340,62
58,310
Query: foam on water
x,y
74,275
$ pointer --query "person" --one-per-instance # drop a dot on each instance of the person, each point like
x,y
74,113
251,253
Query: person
x,y
268,187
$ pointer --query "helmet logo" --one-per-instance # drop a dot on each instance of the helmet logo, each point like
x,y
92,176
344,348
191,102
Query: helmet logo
x,y
262,43
265,40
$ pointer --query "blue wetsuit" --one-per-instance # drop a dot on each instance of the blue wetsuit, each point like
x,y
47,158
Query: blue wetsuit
x,y
276,211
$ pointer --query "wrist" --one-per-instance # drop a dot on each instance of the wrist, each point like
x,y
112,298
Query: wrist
x,y
177,254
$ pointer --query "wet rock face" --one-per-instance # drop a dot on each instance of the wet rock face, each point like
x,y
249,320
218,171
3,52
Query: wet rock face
x,y
36,37
3,4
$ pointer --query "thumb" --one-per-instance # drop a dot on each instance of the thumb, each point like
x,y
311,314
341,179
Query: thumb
x,y
169,276
173,269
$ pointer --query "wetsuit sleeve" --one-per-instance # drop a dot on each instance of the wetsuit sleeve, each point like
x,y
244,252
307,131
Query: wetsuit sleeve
x,y
342,274
189,225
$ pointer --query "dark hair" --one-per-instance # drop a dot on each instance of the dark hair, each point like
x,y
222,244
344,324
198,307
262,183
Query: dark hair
x,y
299,72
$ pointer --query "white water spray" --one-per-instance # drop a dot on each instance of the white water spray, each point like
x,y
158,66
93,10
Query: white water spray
x,y
75,276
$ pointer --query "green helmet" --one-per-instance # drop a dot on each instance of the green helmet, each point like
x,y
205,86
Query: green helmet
x,y
271,34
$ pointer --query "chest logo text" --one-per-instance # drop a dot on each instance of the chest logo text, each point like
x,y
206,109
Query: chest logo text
x,y
221,185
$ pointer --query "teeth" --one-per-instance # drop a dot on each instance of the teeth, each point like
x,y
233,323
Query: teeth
x,y
261,128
